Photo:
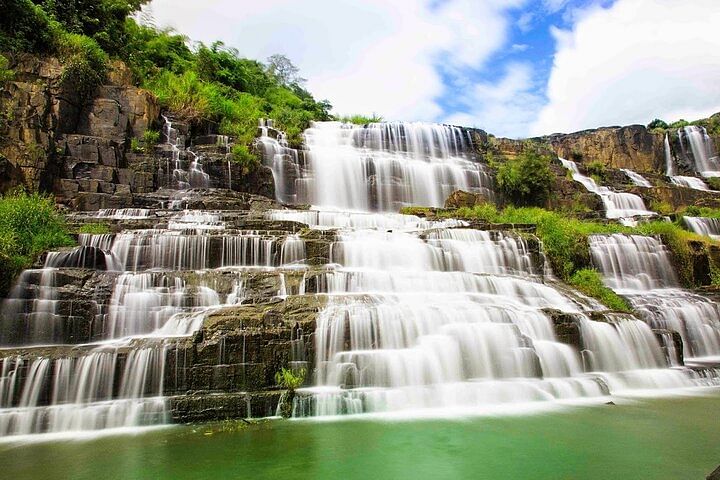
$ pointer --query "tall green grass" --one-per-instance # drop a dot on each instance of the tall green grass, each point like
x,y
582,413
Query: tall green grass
x,y
29,225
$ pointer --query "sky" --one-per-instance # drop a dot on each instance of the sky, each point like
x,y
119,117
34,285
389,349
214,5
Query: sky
x,y
515,68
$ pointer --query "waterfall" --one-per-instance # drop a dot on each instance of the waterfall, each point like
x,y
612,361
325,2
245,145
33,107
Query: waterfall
x,y
636,178
704,226
669,158
697,145
184,174
378,167
680,180
689,182
70,363
621,206
639,268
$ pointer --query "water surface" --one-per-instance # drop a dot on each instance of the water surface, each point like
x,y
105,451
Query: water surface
x,y
670,438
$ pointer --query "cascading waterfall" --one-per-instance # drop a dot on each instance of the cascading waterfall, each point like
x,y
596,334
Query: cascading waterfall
x,y
636,178
113,375
680,180
376,167
184,174
621,206
639,268
697,145
704,226
453,319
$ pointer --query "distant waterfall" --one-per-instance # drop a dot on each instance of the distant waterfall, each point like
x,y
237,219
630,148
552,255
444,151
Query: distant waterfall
x,y
704,226
697,145
621,206
636,178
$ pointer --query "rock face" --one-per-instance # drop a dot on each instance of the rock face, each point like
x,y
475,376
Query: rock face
x,y
632,147
85,152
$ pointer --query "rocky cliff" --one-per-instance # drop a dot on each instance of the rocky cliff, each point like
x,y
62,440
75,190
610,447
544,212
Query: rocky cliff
x,y
85,151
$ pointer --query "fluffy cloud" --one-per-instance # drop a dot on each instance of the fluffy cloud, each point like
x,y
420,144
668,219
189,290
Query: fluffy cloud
x,y
506,107
632,62
369,56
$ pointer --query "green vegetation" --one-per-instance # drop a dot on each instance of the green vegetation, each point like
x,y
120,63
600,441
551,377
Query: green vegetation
x,y
590,283
95,228
150,139
85,64
29,225
713,182
663,208
657,123
694,211
289,380
526,179
241,154
711,124
597,170
361,119
210,86
565,242
5,73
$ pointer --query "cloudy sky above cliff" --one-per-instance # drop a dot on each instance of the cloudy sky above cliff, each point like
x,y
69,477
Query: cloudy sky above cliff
x,y
513,67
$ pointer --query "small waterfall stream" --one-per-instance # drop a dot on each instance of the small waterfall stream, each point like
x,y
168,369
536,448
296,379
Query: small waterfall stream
x,y
621,206
699,148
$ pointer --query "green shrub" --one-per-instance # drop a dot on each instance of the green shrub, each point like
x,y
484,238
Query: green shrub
x,y
29,224
5,73
289,380
526,179
85,64
150,139
597,169
663,208
361,119
241,154
679,124
590,283
136,146
25,27
657,123
713,182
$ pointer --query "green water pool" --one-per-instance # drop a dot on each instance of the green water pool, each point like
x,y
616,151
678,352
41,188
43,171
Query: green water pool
x,y
668,438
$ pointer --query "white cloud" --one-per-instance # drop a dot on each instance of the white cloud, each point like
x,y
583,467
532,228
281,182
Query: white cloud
x,y
632,62
506,107
369,56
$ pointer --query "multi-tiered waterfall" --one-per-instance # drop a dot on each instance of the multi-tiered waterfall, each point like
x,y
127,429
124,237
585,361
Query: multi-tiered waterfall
x,y
153,288
379,167
424,315
411,315
639,268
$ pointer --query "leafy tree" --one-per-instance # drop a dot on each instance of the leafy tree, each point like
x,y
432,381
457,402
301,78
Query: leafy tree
x,y
526,179
284,71
101,20
24,27
657,123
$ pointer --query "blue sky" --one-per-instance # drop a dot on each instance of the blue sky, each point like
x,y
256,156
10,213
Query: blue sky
x,y
513,67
